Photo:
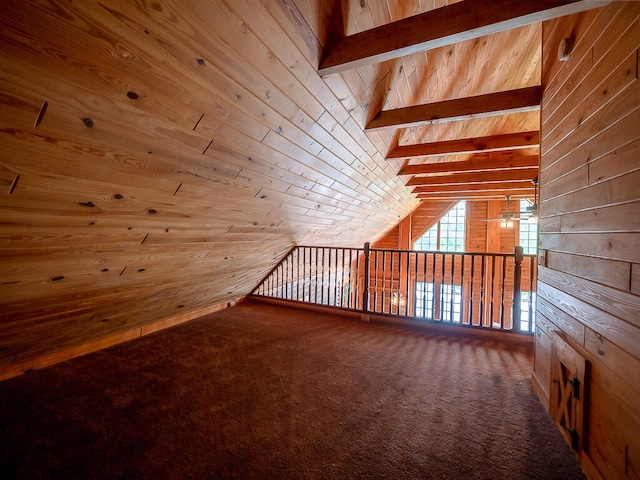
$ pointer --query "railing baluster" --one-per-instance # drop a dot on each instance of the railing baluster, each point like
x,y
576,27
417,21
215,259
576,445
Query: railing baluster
x,y
502,309
415,284
463,259
442,274
471,293
384,279
407,302
453,283
482,289
424,287
352,288
336,284
492,290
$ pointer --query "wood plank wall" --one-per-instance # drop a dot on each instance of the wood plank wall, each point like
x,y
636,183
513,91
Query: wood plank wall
x,y
589,274
159,158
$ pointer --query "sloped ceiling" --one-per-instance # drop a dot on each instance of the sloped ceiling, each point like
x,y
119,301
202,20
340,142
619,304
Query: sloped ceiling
x,y
159,156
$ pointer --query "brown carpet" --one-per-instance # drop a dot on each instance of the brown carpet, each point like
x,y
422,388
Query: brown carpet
x,y
266,392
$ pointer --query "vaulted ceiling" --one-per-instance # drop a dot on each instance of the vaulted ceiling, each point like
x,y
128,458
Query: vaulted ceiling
x,y
162,155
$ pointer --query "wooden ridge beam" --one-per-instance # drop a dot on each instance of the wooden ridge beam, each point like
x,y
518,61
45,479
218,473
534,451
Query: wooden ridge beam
x,y
494,143
443,26
491,104
482,164
525,174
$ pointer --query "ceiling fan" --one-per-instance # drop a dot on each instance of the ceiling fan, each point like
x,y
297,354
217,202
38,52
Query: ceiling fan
x,y
530,212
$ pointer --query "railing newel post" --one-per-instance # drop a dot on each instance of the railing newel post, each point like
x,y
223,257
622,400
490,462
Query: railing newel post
x,y
517,287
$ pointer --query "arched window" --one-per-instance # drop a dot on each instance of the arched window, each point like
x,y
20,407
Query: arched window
x,y
448,233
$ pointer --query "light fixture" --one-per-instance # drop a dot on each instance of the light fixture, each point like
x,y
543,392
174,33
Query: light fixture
x,y
398,299
506,223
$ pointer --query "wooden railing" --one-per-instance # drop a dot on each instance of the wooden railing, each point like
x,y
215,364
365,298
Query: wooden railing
x,y
477,290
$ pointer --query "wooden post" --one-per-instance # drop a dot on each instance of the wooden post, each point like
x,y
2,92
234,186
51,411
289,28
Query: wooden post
x,y
517,286
365,295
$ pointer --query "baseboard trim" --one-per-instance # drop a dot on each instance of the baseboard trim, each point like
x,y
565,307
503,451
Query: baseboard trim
x,y
506,337
544,398
20,367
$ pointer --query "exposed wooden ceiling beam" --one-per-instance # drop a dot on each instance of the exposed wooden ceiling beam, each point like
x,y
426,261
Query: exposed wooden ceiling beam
x,y
511,101
494,143
522,186
444,26
480,195
526,174
482,164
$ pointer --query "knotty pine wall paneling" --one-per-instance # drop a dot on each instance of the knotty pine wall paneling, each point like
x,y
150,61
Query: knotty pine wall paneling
x,y
159,158
588,283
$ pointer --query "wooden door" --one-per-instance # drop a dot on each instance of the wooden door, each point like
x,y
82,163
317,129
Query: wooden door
x,y
568,392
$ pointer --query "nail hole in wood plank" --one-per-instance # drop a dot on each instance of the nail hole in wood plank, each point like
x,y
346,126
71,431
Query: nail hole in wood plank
x,y
174,193
88,122
201,116
41,113
13,185
205,150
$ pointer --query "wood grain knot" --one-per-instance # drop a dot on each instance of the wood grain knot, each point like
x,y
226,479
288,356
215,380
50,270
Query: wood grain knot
x,y
86,204
58,278
117,196
132,95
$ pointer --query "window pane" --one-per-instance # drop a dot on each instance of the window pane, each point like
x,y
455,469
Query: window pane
x,y
451,303
452,229
428,241
424,300
528,232
527,310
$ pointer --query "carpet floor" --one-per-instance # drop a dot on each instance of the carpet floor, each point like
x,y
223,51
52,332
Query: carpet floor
x,y
266,392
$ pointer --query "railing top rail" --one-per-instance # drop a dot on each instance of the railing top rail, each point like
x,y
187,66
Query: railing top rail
x,y
399,250
440,252
325,246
